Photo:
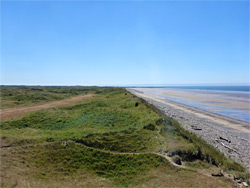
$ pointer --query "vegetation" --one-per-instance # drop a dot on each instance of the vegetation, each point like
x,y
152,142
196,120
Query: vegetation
x,y
113,139
200,149
15,96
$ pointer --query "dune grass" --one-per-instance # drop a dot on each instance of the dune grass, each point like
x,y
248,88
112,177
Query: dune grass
x,y
111,139
17,96
201,147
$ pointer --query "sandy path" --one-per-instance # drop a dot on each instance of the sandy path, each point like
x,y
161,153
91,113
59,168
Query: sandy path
x,y
17,112
235,124
169,159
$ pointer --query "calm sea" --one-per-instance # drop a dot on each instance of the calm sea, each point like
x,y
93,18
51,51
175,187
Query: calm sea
x,y
221,98
215,88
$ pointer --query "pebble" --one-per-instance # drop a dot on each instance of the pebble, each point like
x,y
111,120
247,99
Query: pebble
x,y
211,132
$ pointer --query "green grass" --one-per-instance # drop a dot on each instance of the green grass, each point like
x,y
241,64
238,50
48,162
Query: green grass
x,y
131,140
206,151
98,136
16,96
68,158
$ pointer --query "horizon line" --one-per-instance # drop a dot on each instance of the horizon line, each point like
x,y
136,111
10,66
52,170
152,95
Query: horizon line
x,y
128,85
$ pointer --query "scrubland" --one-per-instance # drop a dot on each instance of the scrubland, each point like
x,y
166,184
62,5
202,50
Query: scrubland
x,y
112,139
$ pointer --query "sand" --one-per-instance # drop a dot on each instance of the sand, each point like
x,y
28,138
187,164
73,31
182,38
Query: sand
x,y
209,126
234,105
232,123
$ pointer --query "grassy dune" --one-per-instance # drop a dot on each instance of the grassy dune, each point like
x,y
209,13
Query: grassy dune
x,y
111,140
19,96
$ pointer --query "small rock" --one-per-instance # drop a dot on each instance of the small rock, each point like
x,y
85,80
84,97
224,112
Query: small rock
x,y
218,175
245,184
177,160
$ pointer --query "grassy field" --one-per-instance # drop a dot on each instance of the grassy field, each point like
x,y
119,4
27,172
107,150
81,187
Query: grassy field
x,y
112,139
19,96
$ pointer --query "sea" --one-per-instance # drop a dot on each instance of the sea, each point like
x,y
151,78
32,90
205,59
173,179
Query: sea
x,y
228,101
212,88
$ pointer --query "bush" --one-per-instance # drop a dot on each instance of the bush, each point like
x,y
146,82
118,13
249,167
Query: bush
x,y
150,127
177,160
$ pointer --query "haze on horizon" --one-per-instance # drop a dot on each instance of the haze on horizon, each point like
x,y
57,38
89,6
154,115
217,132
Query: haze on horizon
x,y
124,42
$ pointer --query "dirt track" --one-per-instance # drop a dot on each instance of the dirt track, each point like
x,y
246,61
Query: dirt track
x,y
17,112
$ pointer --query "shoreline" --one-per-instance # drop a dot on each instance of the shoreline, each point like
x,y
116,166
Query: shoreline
x,y
229,136
231,120
231,105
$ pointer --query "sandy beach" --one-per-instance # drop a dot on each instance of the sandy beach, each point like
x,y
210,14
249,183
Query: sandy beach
x,y
235,105
229,135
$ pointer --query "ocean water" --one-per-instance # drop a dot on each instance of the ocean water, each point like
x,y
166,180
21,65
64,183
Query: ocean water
x,y
245,88
242,114
228,101
214,88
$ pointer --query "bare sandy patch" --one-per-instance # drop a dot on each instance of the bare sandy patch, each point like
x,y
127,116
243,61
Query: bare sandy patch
x,y
17,112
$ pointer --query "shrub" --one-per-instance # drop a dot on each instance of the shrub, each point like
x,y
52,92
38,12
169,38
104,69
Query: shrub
x,y
150,127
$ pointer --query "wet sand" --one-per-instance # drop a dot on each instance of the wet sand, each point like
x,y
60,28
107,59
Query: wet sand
x,y
209,126
234,105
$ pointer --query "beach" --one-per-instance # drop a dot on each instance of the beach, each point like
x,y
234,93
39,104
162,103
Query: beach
x,y
208,115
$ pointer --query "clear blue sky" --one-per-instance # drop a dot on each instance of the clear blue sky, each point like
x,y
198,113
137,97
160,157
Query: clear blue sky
x,y
124,42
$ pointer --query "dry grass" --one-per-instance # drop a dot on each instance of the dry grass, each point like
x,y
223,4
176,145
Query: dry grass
x,y
167,177
17,172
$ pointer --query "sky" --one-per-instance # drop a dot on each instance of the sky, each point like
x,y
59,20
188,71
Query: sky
x,y
124,42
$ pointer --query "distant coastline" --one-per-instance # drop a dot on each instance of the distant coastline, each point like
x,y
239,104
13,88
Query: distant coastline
x,y
243,88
